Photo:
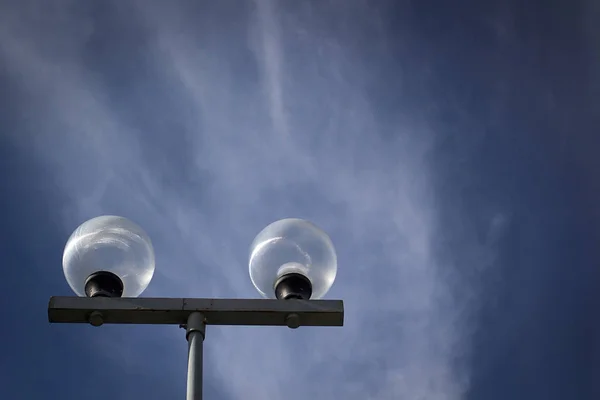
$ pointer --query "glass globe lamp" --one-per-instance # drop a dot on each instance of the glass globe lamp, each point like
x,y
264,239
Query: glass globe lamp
x,y
108,256
292,258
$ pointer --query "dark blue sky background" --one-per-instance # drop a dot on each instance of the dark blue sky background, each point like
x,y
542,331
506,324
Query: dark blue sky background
x,y
449,150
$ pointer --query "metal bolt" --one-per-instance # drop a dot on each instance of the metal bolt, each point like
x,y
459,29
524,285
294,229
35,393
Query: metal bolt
x,y
292,321
96,318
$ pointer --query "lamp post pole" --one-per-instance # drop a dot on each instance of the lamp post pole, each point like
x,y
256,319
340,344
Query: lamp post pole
x,y
195,331
195,314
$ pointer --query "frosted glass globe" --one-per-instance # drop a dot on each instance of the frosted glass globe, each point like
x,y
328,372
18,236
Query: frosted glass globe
x,y
109,249
292,248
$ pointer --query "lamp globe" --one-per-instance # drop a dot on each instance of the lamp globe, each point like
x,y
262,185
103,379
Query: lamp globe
x,y
108,256
292,259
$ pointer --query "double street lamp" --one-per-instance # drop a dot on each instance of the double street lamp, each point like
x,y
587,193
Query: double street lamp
x,y
109,261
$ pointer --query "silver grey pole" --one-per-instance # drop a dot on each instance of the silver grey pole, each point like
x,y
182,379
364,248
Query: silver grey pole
x,y
195,336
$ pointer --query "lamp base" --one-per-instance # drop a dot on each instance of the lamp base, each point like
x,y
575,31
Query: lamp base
x,y
293,286
103,284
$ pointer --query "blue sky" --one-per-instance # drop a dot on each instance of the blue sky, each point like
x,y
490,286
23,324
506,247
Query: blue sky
x,y
449,152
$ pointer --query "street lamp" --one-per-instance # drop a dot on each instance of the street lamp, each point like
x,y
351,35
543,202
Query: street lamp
x,y
108,261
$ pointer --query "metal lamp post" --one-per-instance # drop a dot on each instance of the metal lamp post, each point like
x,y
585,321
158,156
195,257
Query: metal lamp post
x,y
109,261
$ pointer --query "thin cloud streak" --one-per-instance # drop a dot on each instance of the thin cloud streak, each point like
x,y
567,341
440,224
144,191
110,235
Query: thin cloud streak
x,y
288,143
270,58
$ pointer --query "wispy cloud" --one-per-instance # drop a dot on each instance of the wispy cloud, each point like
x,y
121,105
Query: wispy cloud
x,y
273,119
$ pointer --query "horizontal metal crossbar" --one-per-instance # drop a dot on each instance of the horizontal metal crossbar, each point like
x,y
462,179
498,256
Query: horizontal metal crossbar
x,y
147,310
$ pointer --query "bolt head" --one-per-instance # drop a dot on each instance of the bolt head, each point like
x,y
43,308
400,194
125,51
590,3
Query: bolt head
x,y
96,318
292,321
